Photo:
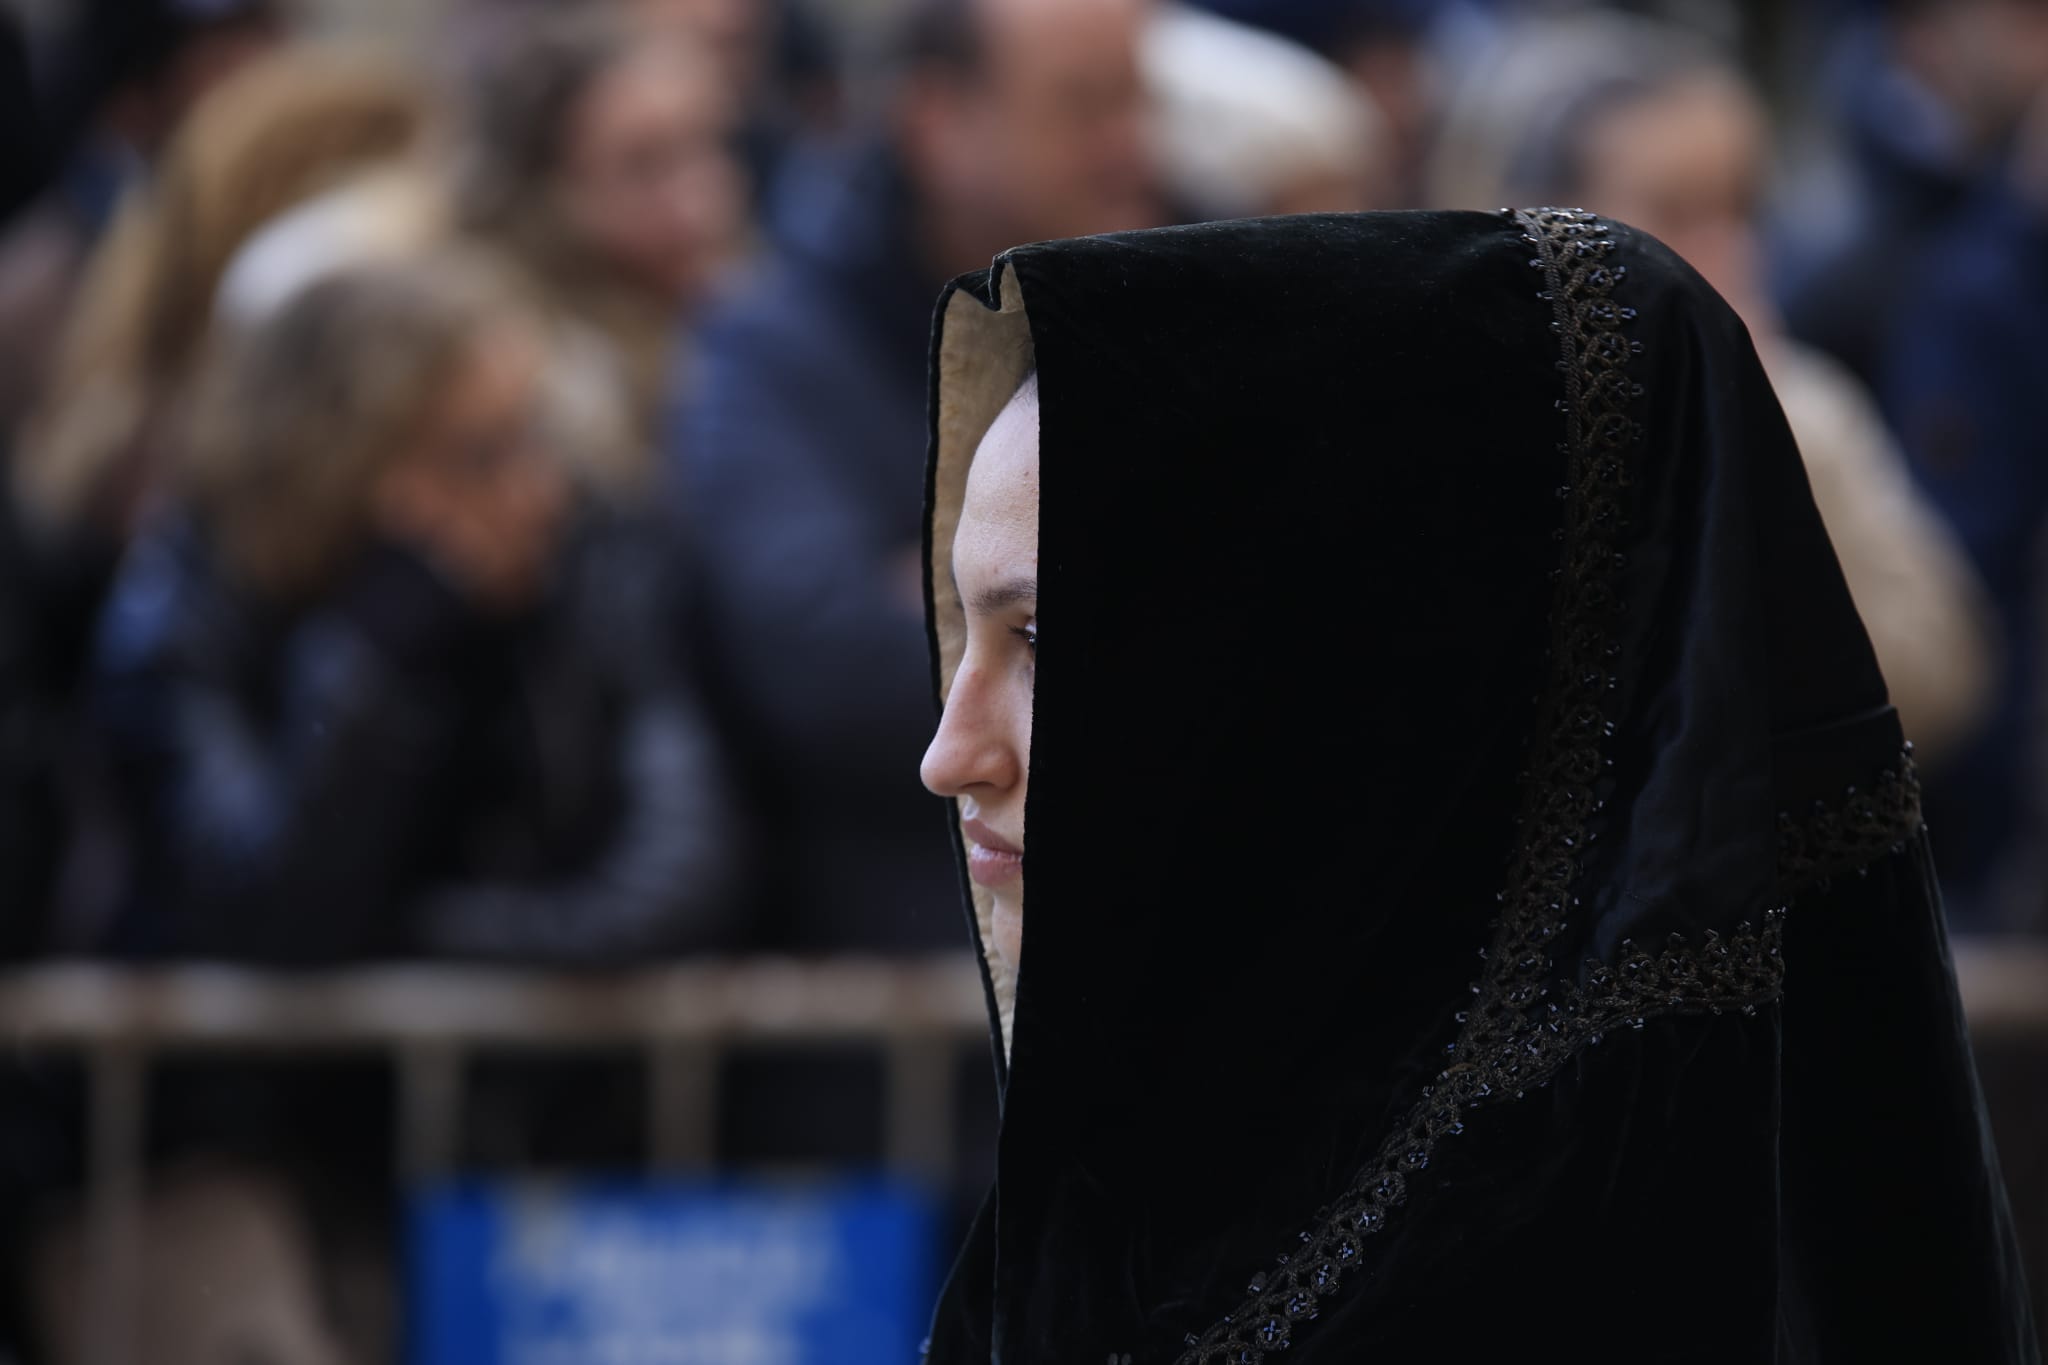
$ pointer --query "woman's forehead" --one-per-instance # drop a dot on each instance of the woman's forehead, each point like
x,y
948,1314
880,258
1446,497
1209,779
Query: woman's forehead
x,y
1000,510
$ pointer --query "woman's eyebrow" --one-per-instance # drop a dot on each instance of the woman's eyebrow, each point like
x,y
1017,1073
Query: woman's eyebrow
x,y
990,600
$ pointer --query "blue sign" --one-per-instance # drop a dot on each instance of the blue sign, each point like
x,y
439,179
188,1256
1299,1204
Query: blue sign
x,y
617,1273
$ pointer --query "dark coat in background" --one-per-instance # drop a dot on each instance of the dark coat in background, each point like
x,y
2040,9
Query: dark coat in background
x,y
1510,934
798,459
387,773
1964,390
1904,172
49,592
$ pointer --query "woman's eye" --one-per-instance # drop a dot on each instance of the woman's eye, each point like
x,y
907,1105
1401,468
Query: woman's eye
x,y
1029,635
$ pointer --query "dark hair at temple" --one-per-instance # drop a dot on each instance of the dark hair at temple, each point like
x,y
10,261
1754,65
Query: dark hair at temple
x,y
940,35
518,109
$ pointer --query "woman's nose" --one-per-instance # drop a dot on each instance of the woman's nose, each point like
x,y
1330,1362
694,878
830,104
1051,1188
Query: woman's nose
x,y
968,751
942,767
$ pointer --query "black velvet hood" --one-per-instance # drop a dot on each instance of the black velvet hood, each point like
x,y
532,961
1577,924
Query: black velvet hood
x,y
1477,902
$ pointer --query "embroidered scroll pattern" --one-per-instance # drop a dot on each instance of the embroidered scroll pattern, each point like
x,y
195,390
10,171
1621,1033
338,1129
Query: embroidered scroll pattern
x,y
1524,1023
1834,840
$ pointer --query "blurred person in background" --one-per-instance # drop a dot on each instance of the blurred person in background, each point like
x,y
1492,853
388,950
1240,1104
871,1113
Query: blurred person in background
x,y
1966,387
91,460
369,690
778,63
1646,123
596,160
1250,124
374,688
591,163
1923,96
596,164
364,696
800,449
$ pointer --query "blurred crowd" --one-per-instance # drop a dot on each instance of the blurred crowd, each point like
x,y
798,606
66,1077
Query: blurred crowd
x,y
464,501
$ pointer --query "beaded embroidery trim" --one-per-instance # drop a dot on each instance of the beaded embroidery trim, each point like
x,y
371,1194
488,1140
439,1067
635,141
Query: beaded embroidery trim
x,y
1523,1023
1831,841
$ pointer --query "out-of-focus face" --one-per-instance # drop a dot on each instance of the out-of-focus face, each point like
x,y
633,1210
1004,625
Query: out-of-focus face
x,y
2015,56
1686,166
1985,59
1052,138
981,755
734,34
477,490
648,181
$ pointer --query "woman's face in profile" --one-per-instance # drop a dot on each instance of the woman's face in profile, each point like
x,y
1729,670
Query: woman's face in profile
x,y
981,755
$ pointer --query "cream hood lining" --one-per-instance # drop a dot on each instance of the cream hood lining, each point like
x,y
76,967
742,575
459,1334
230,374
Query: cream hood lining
x,y
984,354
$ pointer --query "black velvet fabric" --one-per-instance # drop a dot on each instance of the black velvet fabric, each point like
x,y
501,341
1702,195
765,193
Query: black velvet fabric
x,y
1382,587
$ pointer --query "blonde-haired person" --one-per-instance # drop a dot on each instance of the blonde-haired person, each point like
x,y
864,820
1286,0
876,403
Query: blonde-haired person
x,y
371,692
281,130
368,691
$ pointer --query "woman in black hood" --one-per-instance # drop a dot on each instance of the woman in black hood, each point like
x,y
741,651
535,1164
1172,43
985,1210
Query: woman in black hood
x,y
1480,904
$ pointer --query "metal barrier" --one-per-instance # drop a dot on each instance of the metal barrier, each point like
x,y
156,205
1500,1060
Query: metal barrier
x,y
429,1017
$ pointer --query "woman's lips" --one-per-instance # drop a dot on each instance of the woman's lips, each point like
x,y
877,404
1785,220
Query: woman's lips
x,y
992,867
991,859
